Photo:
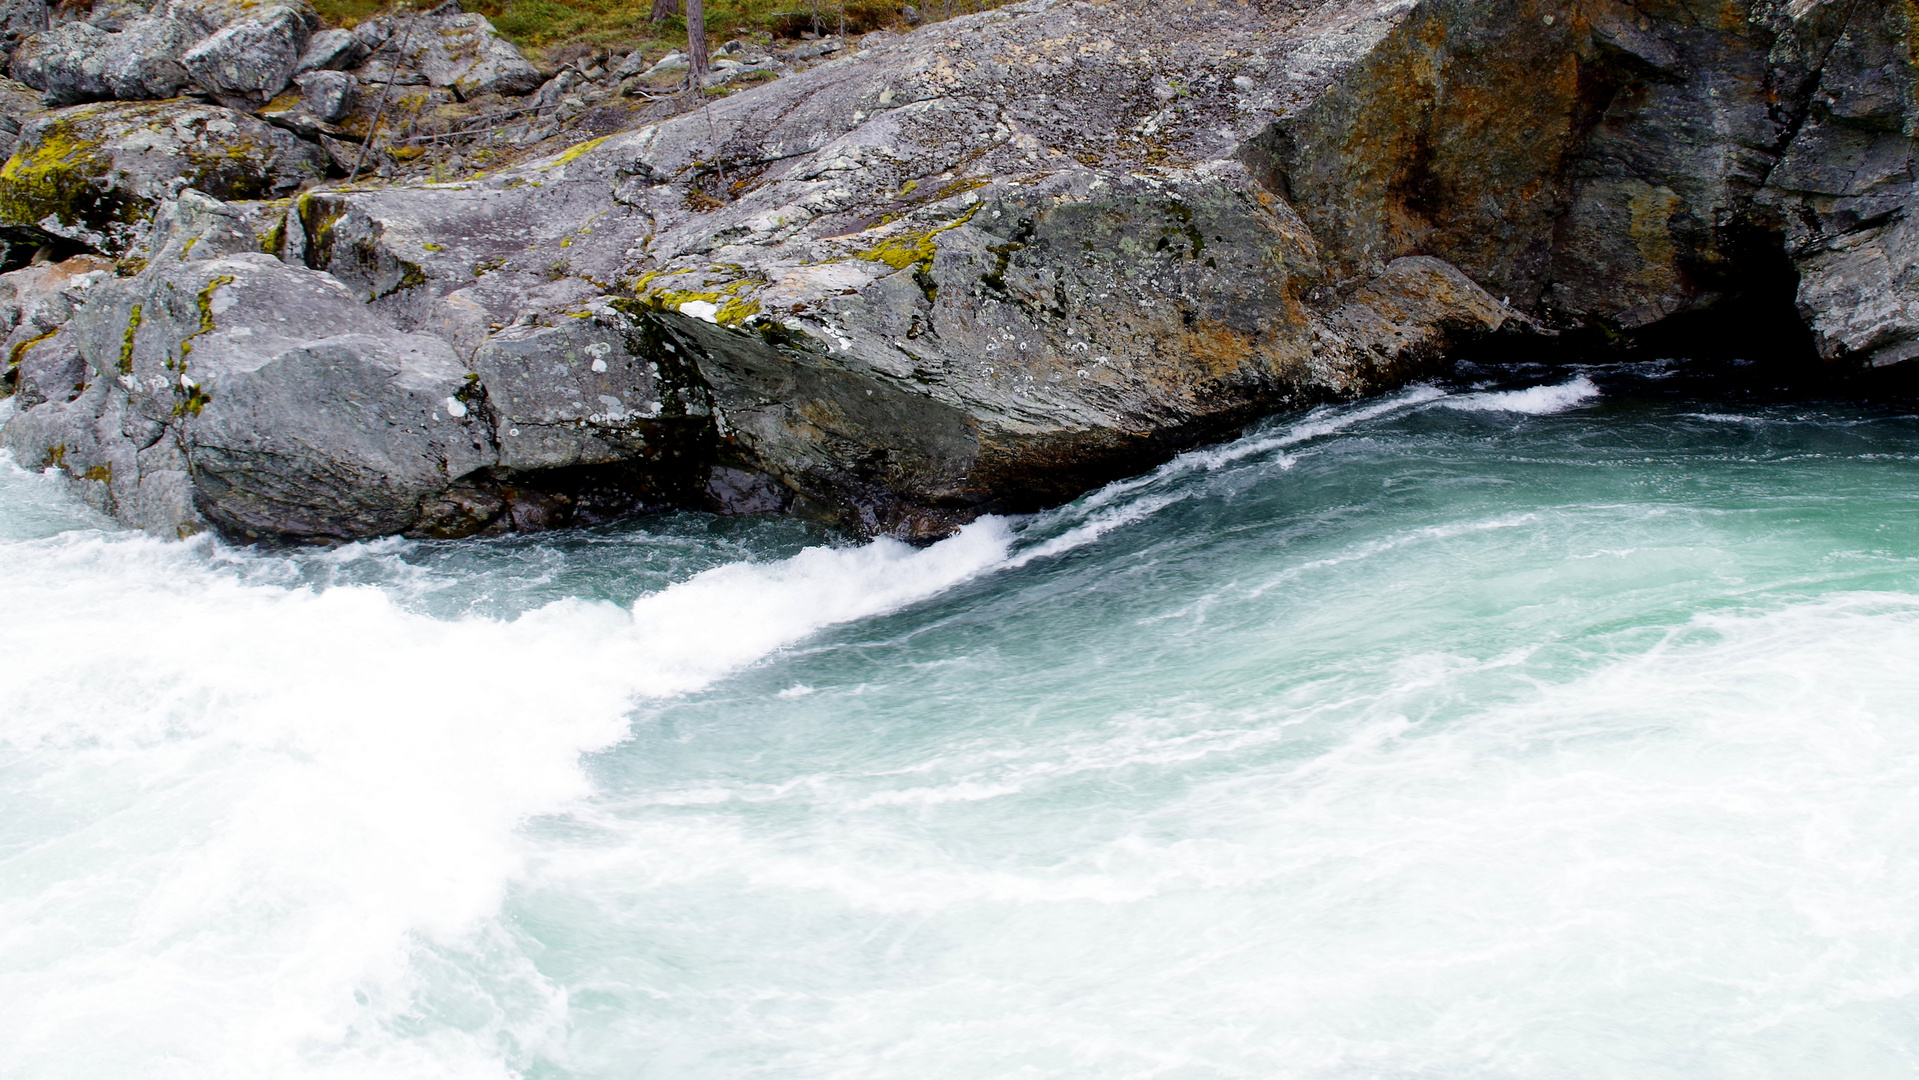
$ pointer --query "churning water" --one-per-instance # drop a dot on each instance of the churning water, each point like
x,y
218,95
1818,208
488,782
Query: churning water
x,y
1564,731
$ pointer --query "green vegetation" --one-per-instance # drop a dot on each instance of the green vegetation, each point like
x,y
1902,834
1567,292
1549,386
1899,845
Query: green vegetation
x,y
561,30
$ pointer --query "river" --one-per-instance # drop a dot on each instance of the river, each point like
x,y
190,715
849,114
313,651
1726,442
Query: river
x,y
1543,723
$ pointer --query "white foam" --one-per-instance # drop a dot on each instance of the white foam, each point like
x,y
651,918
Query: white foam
x,y
1533,401
238,812
1124,502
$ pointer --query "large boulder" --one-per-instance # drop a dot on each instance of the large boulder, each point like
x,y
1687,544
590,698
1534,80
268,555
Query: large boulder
x,y
249,61
144,60
257,397
79,61
94,173
464,51
68,63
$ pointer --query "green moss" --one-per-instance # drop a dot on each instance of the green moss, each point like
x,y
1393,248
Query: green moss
x,y
274,240
959,187
411,276
196,400
19,353
102,473
736,311
58,175
913,249
574,153
205,303
674,299
126,341
318,220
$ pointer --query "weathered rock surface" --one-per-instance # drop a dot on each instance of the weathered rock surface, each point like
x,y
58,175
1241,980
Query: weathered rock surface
x,y
68,63
260,398
327,94
462,50
249,61
332,50
936,279
990,264
94,173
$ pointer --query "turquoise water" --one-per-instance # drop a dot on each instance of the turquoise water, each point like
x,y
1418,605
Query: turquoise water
x,y
1563,726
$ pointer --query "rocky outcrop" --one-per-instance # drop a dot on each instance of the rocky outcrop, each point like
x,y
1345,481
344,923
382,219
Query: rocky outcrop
x,y
94,174
1003,259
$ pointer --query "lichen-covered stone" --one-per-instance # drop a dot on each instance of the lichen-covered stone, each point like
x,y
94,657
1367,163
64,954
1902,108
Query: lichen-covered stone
x,y
984,268
94,173
463,51
144,60
994,262
332,50
36,302
327,94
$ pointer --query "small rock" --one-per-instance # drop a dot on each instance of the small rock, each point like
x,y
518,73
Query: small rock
x,y
115,15
19,18
333,50
669,64
912,15
380,72
630,65
373,33
327,94
813,50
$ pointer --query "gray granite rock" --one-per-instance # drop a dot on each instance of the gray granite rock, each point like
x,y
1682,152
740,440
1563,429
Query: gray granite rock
x,y
67,63
283,408
328,95
463,51
144,60
250,60
992,263
332,50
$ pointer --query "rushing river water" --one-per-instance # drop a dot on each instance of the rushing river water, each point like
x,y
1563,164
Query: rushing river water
x,y
1563,731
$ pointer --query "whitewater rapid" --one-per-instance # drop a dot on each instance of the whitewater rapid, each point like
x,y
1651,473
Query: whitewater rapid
x,y
1464,732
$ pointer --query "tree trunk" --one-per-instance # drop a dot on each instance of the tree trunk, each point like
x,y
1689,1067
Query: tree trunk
x,y
696,42
664,9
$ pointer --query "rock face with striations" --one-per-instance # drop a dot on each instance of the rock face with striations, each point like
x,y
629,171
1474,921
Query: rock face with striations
x,y
1010,256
